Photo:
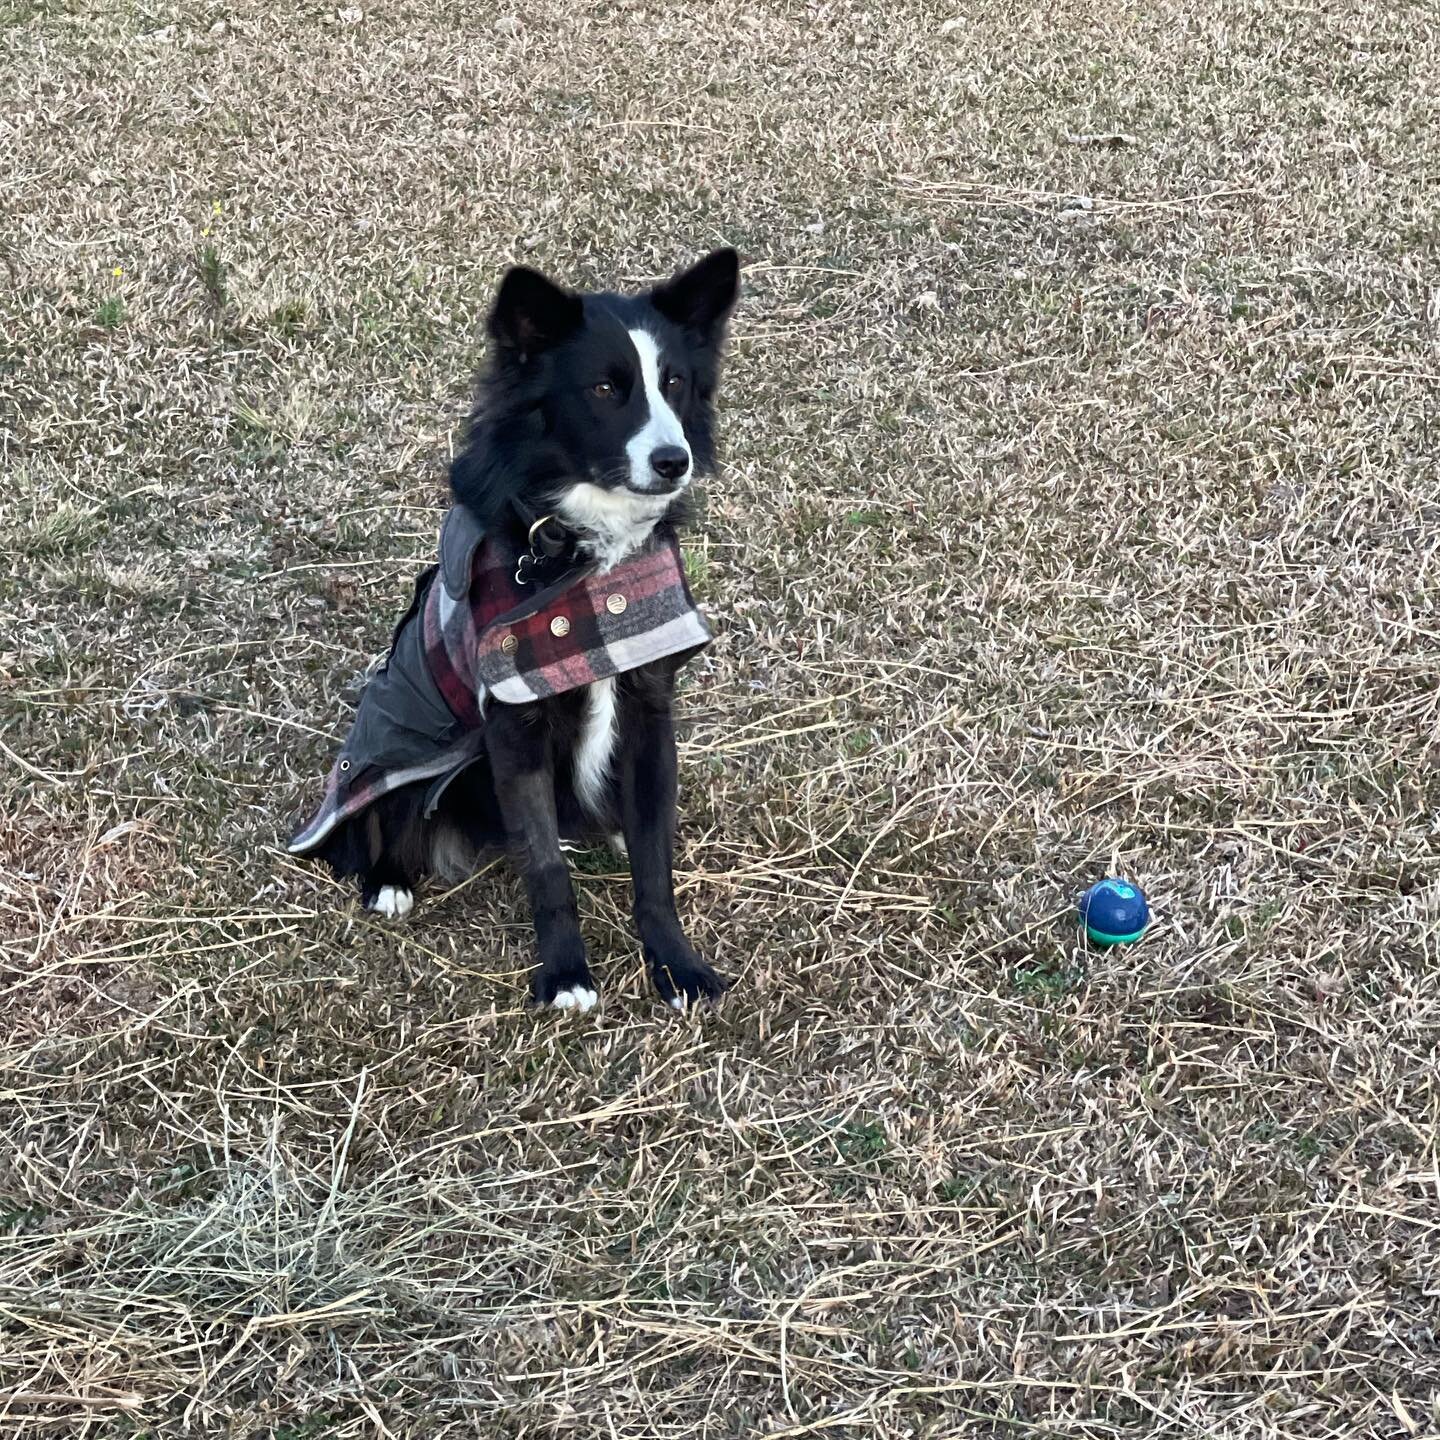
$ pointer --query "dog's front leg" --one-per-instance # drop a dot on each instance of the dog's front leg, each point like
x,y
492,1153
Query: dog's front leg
x,y
647,776
522,765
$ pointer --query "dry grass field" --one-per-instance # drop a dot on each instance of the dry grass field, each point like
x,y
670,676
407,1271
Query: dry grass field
x,y
1080,514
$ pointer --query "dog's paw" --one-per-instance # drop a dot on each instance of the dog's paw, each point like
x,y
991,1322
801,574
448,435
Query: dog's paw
x,y
577,997
394,902
567,989
684,979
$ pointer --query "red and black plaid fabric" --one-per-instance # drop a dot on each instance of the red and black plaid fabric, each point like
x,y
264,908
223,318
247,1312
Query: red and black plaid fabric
x,y
421,717
504,642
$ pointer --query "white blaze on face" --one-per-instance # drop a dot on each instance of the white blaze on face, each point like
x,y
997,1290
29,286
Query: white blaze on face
x,y
662,426
616,521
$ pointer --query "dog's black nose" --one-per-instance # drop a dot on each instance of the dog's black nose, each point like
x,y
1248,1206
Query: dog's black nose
x,y
669,462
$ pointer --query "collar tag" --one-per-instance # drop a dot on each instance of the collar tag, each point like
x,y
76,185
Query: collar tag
x,y
538,553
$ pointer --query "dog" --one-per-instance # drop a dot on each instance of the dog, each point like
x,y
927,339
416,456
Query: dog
x,y
527,699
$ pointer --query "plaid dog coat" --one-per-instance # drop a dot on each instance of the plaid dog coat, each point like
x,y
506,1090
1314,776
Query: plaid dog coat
x,y
474,634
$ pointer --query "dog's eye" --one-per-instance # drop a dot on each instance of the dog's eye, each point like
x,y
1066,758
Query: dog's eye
x,y
603,391
675,384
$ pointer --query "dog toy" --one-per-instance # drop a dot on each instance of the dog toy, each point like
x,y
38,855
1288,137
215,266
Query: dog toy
x,y
1115,912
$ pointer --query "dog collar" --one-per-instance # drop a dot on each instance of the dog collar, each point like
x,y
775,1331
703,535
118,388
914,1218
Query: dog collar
x,y
544,545
546,539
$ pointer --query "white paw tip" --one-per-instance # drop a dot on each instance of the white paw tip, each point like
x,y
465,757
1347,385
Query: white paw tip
x,y
578,997
677,1002
393,902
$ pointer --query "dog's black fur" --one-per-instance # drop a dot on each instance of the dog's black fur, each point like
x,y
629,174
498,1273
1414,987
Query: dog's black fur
x,y
568,421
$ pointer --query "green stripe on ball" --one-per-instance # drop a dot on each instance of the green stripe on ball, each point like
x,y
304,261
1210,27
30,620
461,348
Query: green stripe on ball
x,y
1101,938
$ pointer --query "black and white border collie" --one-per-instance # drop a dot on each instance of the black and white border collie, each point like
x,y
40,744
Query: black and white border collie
x,y
596,409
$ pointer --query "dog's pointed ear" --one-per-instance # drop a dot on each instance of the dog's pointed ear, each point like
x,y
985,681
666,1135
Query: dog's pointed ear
x,y
532,313
701,298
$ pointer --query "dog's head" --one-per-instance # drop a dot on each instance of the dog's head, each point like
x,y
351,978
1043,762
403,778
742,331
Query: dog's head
x,y
599,408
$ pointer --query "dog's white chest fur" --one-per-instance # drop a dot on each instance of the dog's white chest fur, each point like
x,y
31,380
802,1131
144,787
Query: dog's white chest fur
x,y
596,745
613,524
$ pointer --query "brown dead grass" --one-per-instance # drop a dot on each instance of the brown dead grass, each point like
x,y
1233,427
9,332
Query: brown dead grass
x,y
1081,514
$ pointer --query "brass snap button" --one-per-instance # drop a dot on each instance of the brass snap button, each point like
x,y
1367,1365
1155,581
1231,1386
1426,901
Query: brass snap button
x,y
616,604
559,626
509,645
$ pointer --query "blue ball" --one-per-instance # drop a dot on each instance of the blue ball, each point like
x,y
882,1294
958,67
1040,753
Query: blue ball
x,y
1115,912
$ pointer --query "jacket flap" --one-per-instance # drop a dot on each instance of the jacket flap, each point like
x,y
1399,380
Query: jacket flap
x,y
599,626
460,537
